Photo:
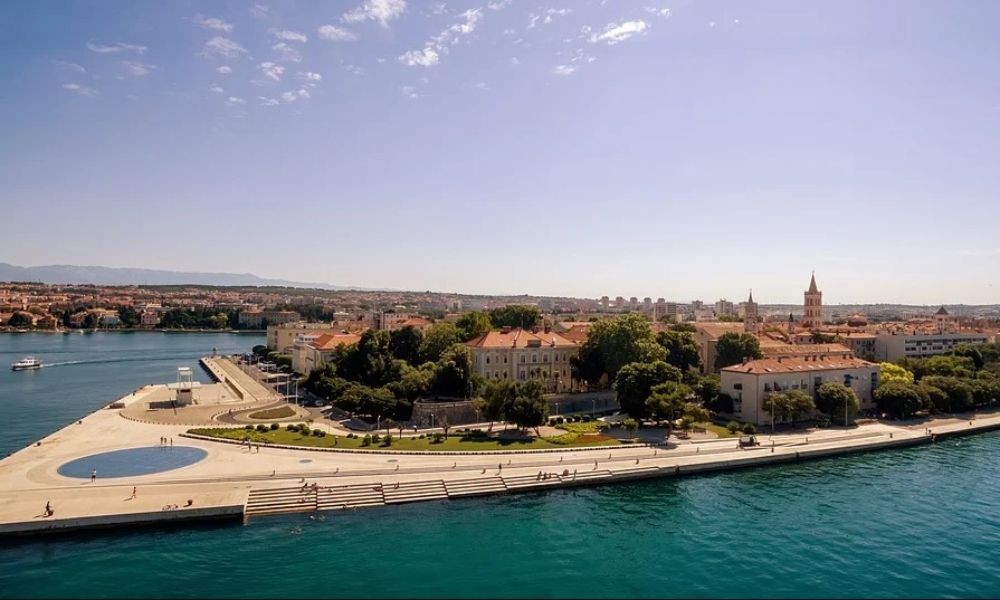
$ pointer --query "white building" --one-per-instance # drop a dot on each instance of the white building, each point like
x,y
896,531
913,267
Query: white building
x,y
749,383
890,347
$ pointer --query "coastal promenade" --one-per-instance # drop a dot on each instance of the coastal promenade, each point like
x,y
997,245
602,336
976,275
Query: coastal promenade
x,y
230,480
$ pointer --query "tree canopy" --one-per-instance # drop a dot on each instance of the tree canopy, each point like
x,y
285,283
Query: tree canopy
x,y
439,337
515,315
615,342
832,396
732,348
898,399
665,400
474,324
790,405
635,381
528,409
892,373
682,349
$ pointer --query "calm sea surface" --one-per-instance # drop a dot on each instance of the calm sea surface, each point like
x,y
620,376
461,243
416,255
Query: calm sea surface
x,y
906,523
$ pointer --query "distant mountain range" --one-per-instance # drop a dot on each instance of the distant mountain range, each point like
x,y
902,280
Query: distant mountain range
x,y
72,274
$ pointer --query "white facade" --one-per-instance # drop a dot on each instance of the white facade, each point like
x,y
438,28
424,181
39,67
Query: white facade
x,y
749,383
891,347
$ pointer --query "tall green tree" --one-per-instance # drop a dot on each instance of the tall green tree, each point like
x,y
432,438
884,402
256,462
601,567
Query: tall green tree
x,y
587,364
666,400
635,381
369,361
832,396
439,337
498,397
790,405
621,340
892,373
404,344
898,399
529,408
959,391
515,315
732,348
454,377
971,352
474,324
682,349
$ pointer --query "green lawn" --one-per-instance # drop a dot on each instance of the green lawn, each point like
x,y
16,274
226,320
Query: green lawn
x,y
455,442
719,430
273,413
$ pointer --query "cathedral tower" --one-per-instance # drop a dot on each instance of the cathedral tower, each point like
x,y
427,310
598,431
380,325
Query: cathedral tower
x,y
814,306
750,315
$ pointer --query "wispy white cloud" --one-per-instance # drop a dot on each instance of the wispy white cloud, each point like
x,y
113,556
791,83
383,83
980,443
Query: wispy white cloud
x,y
70,65
354,69
265,101
310,76
497,4
333,33
380,11
659,12
482,86
223,46
287,53
514,60
552,13
260,11
234,100
213,23
271,70
137,69
216,89
428,57
224,69
289,36
410,92
563,70
439,44
615,33
117,47
80,90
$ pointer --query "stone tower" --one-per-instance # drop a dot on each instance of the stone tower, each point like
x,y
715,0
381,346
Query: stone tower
x,y
750,315
814,306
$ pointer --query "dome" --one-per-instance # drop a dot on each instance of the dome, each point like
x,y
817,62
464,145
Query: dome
x,y
857,320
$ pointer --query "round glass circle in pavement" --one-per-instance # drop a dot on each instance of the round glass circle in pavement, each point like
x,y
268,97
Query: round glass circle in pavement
x,y
133,462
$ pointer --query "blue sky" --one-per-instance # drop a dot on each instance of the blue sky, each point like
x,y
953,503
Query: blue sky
x,y
647,148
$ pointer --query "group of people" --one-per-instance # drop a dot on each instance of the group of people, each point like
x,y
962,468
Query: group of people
x,y
165,441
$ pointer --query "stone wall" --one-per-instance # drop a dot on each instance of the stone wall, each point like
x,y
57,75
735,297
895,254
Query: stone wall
x,y
463,412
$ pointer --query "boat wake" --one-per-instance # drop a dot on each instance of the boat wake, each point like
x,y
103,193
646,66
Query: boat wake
x,y
124,359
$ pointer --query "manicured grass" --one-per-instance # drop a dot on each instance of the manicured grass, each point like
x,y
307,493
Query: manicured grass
x,y
273,413
718,430
464,443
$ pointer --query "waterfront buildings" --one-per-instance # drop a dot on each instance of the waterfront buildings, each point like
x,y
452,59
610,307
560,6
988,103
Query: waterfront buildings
x,y
282,337
256,319
749,383
520,355
890,347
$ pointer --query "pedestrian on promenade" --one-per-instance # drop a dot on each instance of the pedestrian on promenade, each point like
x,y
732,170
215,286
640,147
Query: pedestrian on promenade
x,y
133,492
48,508
93,476
171,442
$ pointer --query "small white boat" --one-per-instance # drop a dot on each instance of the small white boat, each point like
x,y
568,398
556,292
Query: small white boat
x,y
26,364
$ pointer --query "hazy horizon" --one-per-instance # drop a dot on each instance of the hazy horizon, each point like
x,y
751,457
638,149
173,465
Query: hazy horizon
x,y
685,150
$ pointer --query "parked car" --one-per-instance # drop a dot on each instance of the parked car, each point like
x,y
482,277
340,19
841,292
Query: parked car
x,y
748,441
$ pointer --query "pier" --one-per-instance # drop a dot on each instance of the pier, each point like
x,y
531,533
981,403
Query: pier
x,y
179,477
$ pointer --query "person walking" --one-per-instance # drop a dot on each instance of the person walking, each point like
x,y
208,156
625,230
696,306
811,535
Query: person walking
x,y
171,442
93,476
133,492
48,508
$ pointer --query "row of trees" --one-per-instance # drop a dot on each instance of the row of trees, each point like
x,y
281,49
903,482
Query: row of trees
x,y
967,378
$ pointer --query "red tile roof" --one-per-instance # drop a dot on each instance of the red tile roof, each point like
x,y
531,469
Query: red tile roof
x,y
519,338
819,362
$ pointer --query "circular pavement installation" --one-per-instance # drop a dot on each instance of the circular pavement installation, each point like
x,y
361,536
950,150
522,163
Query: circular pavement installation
x,y
133,462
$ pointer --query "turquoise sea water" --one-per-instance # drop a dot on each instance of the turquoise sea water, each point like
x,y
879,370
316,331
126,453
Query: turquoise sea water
x,y
909,523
